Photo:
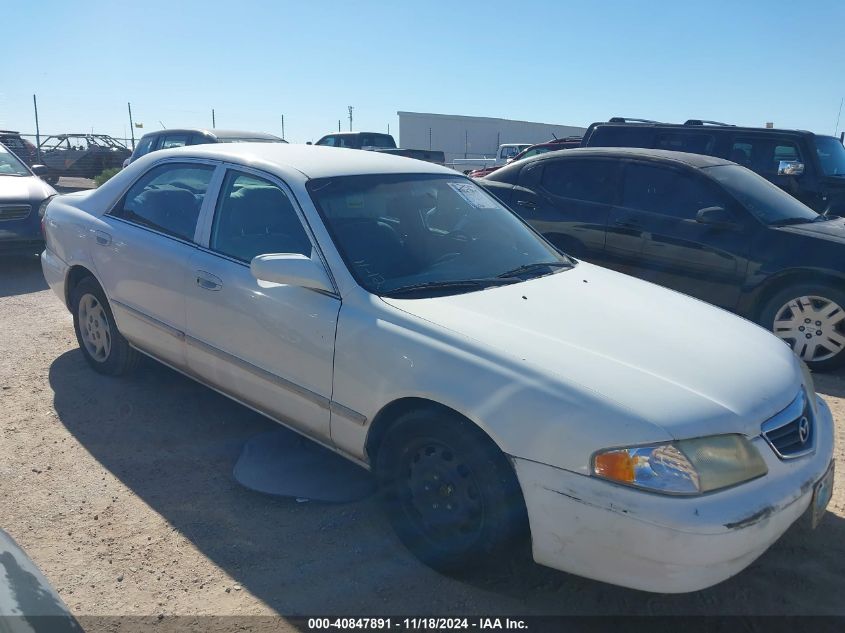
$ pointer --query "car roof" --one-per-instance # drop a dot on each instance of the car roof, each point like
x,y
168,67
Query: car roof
x,y
354,133
215,132
313,161
701,128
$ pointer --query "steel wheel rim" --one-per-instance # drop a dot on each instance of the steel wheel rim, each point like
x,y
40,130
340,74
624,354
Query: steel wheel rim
x,y
94,328
441,495
813,326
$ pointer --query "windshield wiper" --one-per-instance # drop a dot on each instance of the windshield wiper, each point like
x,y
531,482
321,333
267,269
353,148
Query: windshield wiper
x,y
460,284
529,268
787,221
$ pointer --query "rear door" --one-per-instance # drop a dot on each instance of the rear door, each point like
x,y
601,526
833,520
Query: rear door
x,y
568,200
141,252
658,207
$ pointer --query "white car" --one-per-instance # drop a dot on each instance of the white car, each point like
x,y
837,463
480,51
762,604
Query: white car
x,y
394,312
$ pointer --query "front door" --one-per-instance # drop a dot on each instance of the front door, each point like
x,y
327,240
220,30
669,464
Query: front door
x,y
269,345
659,205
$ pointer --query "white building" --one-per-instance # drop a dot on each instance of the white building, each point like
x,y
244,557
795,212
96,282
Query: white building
x,y
473,136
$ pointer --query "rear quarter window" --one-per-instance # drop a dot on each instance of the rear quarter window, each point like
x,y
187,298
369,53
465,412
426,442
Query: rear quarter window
x,y
618,136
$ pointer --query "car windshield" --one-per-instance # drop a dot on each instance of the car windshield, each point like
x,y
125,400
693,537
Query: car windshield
x,y
769,203
831,155
10,165
422,234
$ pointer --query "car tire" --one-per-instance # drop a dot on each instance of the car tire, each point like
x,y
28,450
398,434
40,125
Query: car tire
x,y
452,496
102,345
810,318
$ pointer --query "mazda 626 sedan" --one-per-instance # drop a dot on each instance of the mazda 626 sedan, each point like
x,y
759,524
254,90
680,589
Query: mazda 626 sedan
x,y
394,312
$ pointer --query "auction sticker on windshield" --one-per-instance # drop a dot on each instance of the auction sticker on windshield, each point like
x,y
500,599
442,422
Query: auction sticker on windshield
x,y
473,195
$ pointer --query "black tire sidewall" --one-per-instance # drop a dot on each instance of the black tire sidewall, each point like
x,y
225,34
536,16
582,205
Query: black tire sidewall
x,y
778,300
120,352
498,486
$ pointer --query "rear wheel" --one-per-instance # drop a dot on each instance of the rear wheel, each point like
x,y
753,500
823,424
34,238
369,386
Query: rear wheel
x,y
101,343
810,318
450,493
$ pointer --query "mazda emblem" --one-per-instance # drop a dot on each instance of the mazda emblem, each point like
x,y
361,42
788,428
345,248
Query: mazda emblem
x,y
804,429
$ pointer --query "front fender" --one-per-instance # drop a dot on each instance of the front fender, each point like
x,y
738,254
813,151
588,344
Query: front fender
x,y
383,354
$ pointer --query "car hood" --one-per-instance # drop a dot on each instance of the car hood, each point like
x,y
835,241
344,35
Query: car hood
x,y
831,230
23,188
670,360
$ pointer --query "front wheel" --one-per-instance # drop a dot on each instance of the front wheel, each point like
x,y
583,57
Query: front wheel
x,y
810,318
101,343
451,494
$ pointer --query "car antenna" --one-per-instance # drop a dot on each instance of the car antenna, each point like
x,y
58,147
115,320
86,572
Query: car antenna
x,y
554,136
163,127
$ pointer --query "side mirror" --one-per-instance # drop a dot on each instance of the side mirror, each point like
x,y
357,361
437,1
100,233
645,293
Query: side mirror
x,y
40,170
790,168
717,217
308,143
291,269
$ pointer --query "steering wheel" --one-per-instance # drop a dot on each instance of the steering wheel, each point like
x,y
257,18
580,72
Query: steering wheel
x,y
445,257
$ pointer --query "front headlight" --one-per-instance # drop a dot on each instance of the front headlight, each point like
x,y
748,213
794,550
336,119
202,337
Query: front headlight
x,y
42,209
809,386
685,467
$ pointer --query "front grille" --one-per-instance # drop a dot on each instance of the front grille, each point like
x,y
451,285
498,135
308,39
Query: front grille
x,y
791,432
14,211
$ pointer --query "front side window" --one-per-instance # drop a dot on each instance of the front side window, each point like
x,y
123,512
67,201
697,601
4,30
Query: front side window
x,y
397,232
346,141
174,140
328,141
167,199
763,155
255,217
667,191
831,155
510,152
588,180
144,146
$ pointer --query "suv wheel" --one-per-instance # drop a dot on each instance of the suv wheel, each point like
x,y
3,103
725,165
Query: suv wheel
x,y
101,343
810,318
448,490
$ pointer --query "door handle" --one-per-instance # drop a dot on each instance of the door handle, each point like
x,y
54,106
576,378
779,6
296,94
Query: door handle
x,y
207,281
528,204
103,238
627,223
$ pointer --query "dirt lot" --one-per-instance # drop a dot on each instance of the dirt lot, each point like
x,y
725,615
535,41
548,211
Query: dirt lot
x,y
121,490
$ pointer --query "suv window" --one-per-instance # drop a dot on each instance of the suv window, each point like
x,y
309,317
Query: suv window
x,y
255,217
144,146
346,141
588,180
377,140
174,140
167,198
763,155
686,142
666,191
329,140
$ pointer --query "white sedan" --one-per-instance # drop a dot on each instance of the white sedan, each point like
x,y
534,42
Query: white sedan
x,y
394,312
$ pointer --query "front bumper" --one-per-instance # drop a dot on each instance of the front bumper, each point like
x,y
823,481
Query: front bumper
x,y
664,544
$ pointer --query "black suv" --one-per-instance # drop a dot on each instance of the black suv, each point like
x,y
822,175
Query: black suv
x,y
701,225
809,166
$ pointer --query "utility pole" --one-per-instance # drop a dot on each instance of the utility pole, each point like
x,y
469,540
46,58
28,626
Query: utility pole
x,y
213,120
37,131
429,138
338,125
350,117
283,127
131,125
841,101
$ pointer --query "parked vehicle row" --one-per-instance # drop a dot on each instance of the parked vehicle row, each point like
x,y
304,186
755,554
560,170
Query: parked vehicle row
x,y
810,167
704,226
506,153
397,313
534,150
378,142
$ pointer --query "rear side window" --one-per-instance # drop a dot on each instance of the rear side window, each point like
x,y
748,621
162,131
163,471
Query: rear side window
x,y
667,191
255,217
618,136
686,142
167,199
346,141
377,140
174,140
588,181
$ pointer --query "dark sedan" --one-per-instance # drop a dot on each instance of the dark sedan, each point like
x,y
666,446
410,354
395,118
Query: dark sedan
x,y
701,225
22,195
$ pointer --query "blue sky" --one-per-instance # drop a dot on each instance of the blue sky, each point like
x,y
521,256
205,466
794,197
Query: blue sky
x,y
744,62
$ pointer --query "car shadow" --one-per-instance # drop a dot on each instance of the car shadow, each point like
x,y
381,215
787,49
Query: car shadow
x,y
20,274
830,383
174,443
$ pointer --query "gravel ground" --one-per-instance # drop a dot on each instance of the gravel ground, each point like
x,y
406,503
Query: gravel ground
x,y
121,490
